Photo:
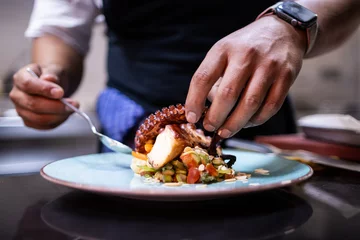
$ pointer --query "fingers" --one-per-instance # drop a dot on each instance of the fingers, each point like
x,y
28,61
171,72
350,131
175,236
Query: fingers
x,y
275,98
38,104
250,101
37,86
52,73
41,113
41,121
36,99
209,71
212,93
227,94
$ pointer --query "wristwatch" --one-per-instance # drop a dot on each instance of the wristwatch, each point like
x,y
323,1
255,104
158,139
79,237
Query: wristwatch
x,y
298,16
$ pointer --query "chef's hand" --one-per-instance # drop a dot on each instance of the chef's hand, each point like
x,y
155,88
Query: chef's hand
x,y
250,72
37,99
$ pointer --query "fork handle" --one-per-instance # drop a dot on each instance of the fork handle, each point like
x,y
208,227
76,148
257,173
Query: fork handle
x,y
84,115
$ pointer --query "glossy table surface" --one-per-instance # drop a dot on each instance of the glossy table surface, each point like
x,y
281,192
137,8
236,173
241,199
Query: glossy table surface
x,y
327,206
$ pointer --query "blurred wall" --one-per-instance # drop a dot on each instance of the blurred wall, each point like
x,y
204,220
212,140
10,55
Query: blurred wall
x,y
330,83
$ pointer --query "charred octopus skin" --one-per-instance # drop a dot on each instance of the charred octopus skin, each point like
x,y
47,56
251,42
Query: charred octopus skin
x,y
156,122
168,133
169,149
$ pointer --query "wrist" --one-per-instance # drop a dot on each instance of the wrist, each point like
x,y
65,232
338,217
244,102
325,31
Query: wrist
x,y
298,16
285,32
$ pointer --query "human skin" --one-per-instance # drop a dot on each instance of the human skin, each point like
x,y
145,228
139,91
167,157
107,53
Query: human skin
x,y
247,74
59,68
259,61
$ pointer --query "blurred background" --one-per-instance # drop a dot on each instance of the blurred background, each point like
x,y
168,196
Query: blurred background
x,y
327,84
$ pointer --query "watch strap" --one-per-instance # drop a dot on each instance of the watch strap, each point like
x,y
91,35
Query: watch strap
x,y
311,32
269,11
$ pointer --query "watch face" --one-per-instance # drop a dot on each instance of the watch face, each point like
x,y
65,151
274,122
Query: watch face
x,y
298,12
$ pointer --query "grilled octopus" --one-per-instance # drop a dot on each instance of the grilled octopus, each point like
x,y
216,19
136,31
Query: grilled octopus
x,y
170,133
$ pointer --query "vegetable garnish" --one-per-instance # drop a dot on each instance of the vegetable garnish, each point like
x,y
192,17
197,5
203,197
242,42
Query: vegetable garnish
x,y
193,165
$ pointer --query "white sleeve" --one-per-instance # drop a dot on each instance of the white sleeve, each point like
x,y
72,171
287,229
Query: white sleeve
x,y
70,20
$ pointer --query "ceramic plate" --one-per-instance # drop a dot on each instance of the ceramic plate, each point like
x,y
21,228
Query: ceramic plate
x,y
110,173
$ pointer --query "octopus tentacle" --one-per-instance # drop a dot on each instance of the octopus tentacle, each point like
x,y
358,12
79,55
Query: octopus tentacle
x,y
154,123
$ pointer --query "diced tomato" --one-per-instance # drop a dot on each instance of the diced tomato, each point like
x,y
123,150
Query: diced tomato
x,y
211,170
229,176
189,161
193,175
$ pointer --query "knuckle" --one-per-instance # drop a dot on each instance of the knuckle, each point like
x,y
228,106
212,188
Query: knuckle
x,y
289,72
31,104
222,45
228,93
273,106
12,95
273,61
201,78
251,51
252,102
26,83
15,76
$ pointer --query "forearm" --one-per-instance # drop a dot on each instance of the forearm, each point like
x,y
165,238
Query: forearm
x,y
50,51
337,20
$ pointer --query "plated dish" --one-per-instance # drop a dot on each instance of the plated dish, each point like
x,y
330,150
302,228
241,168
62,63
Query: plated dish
x,y
168,149
110,174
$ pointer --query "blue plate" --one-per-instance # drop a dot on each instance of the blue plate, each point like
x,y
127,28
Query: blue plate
x,y
110,173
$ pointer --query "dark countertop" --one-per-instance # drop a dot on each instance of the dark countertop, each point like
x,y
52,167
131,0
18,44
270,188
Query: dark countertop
x,y
325,207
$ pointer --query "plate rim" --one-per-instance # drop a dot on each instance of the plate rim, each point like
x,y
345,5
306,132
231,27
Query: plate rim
x,y
146,194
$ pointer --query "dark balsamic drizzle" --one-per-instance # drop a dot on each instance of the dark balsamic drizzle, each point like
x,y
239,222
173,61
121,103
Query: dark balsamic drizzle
x,y
215,142
231,158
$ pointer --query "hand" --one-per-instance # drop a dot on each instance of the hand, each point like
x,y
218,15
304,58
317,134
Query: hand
x,y
246,76
37,99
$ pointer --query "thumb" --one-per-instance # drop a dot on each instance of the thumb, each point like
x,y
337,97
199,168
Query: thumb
x,y
54,73
50,74
72,102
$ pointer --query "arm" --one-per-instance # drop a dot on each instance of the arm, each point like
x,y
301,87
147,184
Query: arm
x,y
337,20
60,42
247,74
57,58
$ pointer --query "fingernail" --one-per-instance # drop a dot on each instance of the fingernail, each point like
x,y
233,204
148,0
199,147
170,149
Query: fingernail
x,y
209,127
67,109
249,124
224,133
56,92
191,117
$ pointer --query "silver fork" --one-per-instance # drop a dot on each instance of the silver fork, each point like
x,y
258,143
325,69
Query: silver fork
x,y
107,141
